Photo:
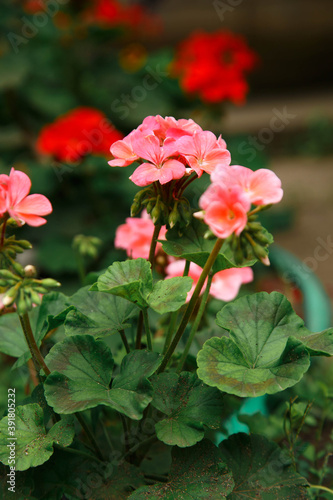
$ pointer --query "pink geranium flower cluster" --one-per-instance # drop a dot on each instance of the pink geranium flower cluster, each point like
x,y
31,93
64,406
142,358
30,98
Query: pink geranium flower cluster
x,y
16,202
225,284
135,236
168,149
234,189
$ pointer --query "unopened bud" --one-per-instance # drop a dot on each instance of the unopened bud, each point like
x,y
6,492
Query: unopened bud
x,y
30,271
174,216
49,283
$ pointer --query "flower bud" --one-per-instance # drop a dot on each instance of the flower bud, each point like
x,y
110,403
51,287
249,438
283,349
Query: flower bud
x,y
30,271
49,283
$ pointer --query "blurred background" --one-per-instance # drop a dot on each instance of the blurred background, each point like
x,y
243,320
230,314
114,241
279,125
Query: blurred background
x,y
77,75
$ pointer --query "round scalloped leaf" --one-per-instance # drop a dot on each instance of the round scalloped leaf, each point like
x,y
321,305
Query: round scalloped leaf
x,y
131,279
190,406
197,473
261,470
98,314
170,294
223,364
262,322
81,375
32,445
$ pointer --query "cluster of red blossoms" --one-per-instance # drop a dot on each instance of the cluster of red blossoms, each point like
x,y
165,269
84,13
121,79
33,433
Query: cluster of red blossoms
x,y
76,134
213,66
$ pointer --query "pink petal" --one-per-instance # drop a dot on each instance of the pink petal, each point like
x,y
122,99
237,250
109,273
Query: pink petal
x,y
171,169
34,204
226,284
147,147
204,142
145,174
265,187
120,163
32,220
18,186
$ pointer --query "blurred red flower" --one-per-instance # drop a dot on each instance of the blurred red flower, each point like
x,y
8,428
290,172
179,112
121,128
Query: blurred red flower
x,y
213,66
76,134
111,13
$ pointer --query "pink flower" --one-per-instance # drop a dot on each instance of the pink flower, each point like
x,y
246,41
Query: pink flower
x,y
135,236
160,167
168,127
262,187
225,210
19,205
204,152
225,284
123,152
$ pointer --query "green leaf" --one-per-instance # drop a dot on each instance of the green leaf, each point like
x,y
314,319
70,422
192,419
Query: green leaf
x,y
169,295
82,371
197,473
261,470
190,406
12,341
98,314
131,280
269,319
192,246
33,446
262,355
318,344
52,312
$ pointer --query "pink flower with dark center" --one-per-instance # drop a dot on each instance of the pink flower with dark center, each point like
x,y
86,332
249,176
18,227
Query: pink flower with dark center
x,y
135,236
19,205
204,152
160,166
261,187
225,210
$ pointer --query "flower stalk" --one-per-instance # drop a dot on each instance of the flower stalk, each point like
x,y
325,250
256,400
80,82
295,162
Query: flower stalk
x,y
191,305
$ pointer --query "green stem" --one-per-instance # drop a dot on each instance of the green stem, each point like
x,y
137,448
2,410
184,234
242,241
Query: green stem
x,y
147,328
151,259
36,355
40,364
191,305
3,230
174,316
89,434
196,323
153,244
319,487
125,341
139,331
77,452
